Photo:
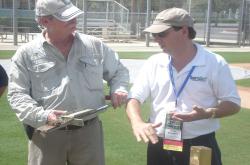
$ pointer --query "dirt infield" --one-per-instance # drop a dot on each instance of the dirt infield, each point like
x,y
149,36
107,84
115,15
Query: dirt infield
x,y
244,92
242,65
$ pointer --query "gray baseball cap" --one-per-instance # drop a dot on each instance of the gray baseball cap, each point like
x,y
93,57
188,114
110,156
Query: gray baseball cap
x,y
168,18
62,10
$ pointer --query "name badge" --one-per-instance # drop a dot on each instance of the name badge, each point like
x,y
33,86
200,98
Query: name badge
x,y
172,134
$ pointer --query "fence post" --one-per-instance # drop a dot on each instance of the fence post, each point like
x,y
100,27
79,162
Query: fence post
x,y
148,21
208,27
14,23
85,10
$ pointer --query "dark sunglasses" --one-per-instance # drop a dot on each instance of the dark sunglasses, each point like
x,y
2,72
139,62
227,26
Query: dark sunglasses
x,y
161,34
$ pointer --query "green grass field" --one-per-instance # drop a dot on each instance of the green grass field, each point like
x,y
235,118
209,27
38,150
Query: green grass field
x,y
5,54
243,82
121,147
231,57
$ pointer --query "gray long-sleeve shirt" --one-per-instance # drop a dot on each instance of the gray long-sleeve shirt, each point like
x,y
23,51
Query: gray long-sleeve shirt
x,y
41,79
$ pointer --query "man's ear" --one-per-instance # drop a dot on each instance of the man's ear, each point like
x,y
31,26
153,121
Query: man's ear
x,y
185,30
43,21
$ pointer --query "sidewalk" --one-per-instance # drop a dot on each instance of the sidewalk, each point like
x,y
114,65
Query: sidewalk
x,y
140,46
134,65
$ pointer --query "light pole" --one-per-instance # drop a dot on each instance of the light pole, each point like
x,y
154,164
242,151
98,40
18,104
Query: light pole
x,y
14,23
85,8
241,24
208,29
148,21
189,6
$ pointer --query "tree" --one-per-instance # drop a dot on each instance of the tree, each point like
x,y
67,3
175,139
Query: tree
x,y
220,5
223,5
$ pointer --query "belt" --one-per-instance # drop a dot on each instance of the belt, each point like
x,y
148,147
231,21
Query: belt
x,y
74,127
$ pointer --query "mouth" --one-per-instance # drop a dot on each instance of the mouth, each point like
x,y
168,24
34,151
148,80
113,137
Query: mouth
x,y
164,49
162,46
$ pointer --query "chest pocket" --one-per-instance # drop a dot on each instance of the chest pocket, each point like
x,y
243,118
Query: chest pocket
x,y
92,72
43,76
199,80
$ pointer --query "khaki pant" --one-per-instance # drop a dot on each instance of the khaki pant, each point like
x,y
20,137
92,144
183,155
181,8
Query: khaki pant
x,y
82,146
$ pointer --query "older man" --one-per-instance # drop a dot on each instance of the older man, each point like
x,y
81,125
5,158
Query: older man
x,y
63,71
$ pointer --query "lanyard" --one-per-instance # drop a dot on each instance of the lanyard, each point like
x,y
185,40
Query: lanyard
x,y
177,93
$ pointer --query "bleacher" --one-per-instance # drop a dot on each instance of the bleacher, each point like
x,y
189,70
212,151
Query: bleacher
x,y
111,24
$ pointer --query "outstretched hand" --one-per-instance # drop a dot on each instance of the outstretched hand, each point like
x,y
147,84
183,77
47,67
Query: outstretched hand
x,y
146,132
197,113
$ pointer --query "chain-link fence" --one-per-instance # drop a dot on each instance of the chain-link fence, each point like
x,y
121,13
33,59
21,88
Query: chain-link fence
x,y
224,25
113,19
244,31
104,18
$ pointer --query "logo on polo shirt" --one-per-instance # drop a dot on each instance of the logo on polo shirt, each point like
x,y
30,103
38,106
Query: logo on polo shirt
x,y
200,78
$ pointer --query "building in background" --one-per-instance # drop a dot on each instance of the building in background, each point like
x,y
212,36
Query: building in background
x,y
21,4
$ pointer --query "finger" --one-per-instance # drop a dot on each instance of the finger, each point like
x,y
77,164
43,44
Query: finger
x,y
198,109
119,101
151,134
121,97
156,125
147,134
201,113
51,119
179,117
138,137
114,101
153,137
144,137
59,112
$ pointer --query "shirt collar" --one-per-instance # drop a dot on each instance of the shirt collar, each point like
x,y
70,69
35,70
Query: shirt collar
x,y
43,41
199,59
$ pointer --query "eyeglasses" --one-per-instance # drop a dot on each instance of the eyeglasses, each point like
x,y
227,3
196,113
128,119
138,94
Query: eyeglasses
x,y
161,34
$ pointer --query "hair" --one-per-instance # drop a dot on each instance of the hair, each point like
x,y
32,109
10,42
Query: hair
x,y
38,20
191,31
